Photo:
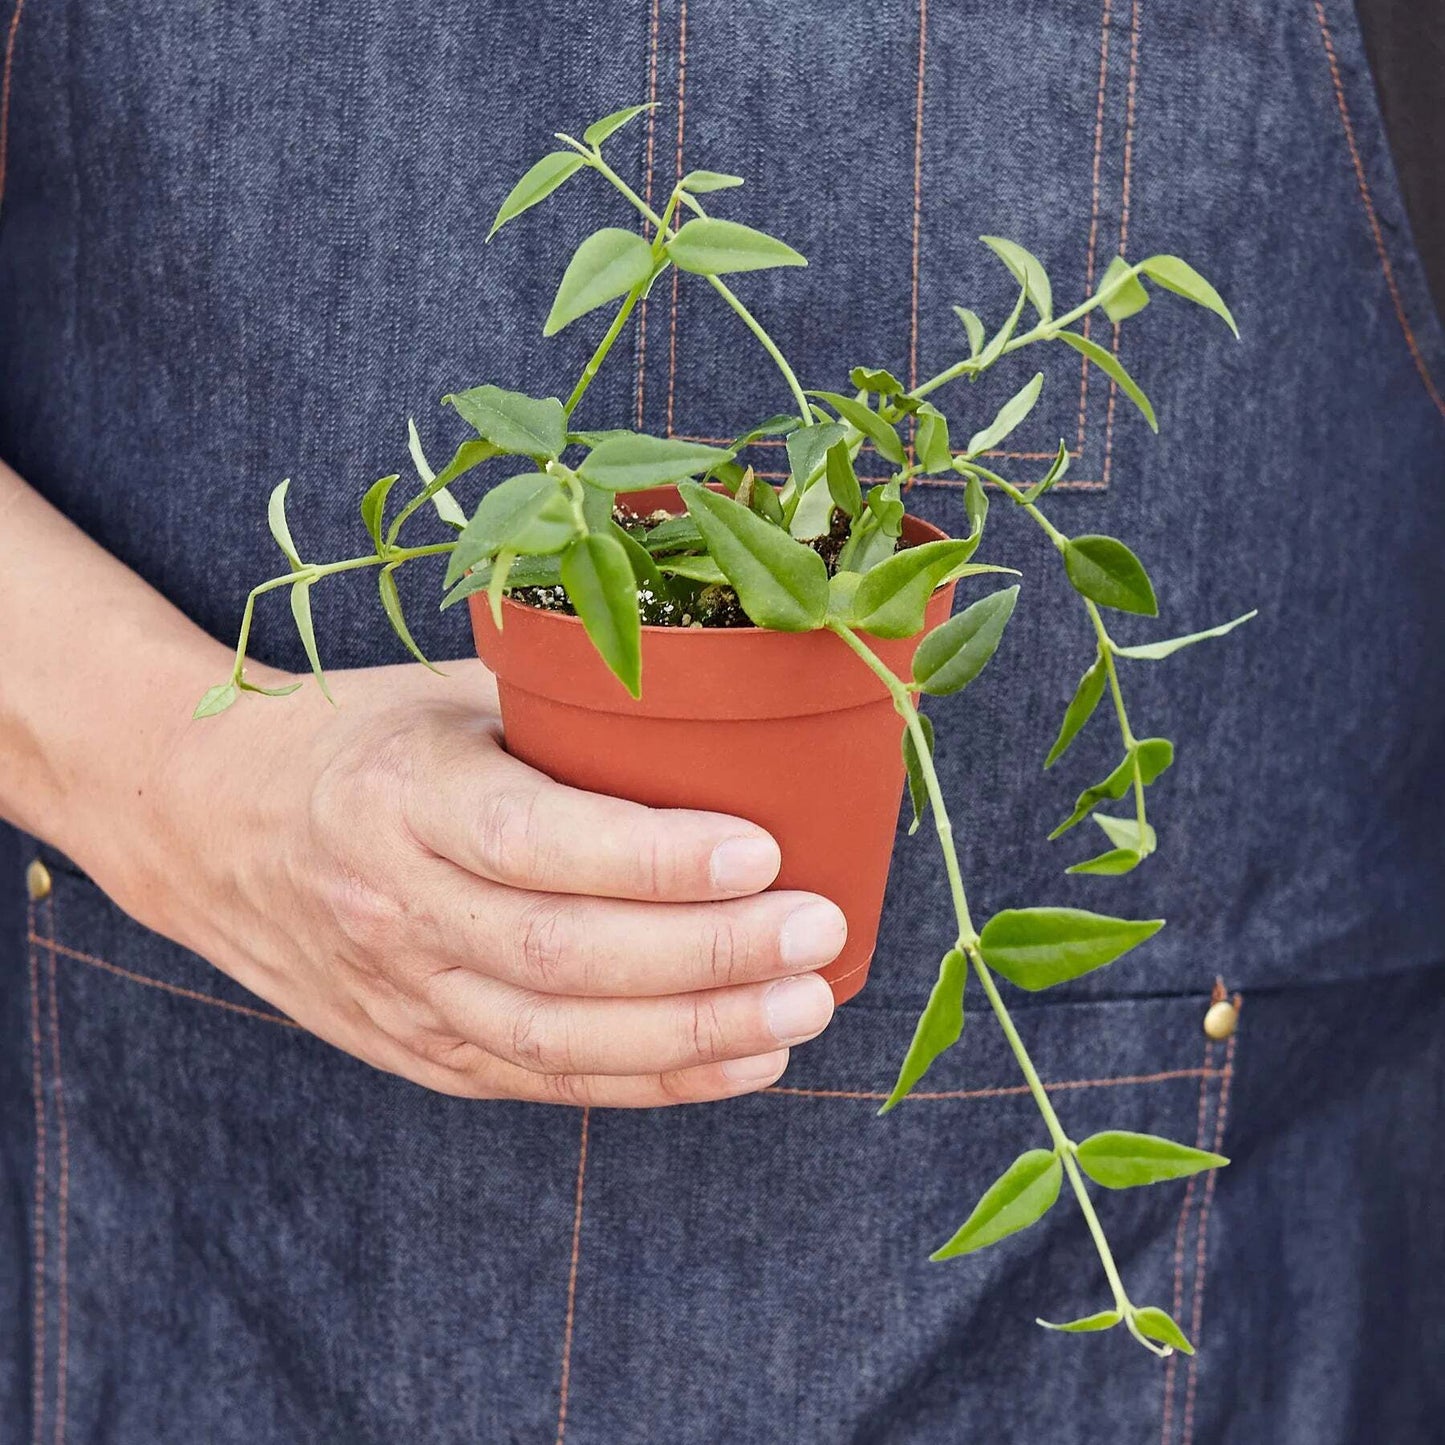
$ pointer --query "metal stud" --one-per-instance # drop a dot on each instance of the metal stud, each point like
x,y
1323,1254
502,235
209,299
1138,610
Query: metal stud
x,y
1221,1020
37,880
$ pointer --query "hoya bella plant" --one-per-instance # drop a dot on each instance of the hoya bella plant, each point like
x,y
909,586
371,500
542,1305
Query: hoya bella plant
x,y
606,548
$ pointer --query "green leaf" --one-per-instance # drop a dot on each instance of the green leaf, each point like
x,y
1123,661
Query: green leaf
x,y
778,425
934,452
1154,754
1035,948
764,501
644,569
525,425
608,264
868,378
1121,293
1104,1320
1081,708
701,182
599,130
445,504
1057,468
892,597
843,480
677,534
1105,571
1022,1195
917,786
975,508
1120,1160
216,699
521,572
497,586
812,513
633,461
373,508
284,691
807,449
276,518
1181,278
1109,865
973,326
301,611
600,585
1153,651
536,185
710,247
1027,271
529,514
1010,414
780,583
1002,336
952,655
391,605
886,504
1113,368
1124,833
867,421
939,1027
695,569
1158,1326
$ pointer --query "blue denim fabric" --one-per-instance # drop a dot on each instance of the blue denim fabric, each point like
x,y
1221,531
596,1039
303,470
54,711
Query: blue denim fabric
x,y
244,242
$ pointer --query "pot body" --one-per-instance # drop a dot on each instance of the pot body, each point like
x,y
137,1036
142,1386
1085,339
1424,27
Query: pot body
x,y
788,730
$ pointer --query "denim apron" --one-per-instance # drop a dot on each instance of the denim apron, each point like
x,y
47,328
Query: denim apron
x,y
244,241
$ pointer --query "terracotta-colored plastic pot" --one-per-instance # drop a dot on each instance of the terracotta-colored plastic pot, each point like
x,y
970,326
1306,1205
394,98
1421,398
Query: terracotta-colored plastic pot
x,y
788,730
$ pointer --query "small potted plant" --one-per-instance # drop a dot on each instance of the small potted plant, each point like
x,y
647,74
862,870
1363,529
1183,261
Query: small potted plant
x,y
668,626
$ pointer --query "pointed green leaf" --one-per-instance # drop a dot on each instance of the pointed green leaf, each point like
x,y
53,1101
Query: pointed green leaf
x,y
701,182
812,513
644,570
1153,651
633,461
513,422
710,247
1158,1326
276,518
446,505
1055,473
780,583
1081,708
1111,864
764,501
867,421
1113,368
1027,270
871,378
608,264
497,585
391,605
1104,570
284,691
600,585
1010,415
216,699
599,130
695,569
1104,1320
974,328
917,785
1002,336
373,508
808,449
536,185
953,654
520,572
1022,1195
528,514
843,480
1124,833
1154,754
1121,293
1120,1160
939,1027
885,502
301,611
1035,948
1181,278
677,534
891,598
934,452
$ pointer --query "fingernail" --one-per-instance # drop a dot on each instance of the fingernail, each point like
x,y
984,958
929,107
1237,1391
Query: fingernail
x,y
798,1008
756,1069
813,935
744,865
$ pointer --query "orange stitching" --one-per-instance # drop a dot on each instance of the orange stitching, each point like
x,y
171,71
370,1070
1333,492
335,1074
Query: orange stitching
x,y
62,1240
5,92
1179,1234
681,119
1094,206
572,1278
647,195
235,1008
37,1397
917,192
1201,1251
1370,215
1003,1092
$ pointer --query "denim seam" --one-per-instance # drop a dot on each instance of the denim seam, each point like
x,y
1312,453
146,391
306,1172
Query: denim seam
x,y
62,1189
649,157
37,1085
1004,1091
5,86
565,1382
681,107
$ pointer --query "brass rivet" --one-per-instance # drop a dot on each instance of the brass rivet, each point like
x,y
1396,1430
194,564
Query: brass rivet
x,y
1221,1020
37,880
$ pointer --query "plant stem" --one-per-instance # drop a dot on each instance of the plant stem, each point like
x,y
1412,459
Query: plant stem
x,y
1131,743
968,941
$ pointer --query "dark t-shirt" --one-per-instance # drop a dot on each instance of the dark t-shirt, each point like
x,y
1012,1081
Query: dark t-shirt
x,y
1405,40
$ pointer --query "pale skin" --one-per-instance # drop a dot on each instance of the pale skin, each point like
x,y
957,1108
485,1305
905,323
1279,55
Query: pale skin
x,y
384,872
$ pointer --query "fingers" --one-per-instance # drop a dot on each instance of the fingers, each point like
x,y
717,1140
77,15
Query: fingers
x,y
546,1034
501,820
558,943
